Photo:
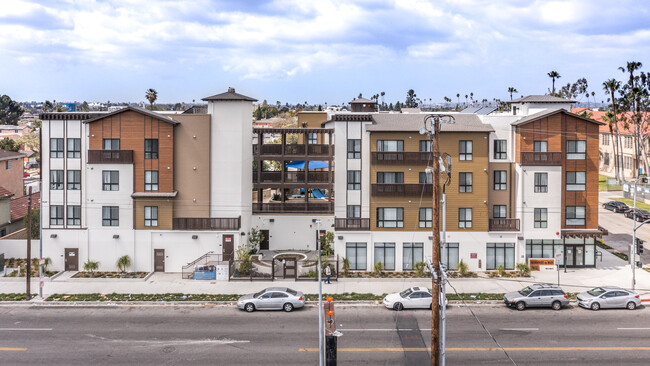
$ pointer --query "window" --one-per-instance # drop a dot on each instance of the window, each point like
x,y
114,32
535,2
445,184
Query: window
x,y
151,148
390,145
354,180
151,180
74,148
464,182
540,146
110,216
576,149
312,138
464,218
8,164
390,177
354,211
544,249
385,253
605,139
500,149
606,159
111,144
575,215
628,142
500,254
541,182
356,255
354,149
412,253
151,216
628,162
74,215
110,180
390,217
500,180
56,215
425,146
56,148
56,180
74,180
426,178
426,216
452,255
541,218
575,181
499,211
465,150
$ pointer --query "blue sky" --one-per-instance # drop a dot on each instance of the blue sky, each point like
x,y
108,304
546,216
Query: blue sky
x,y
324,51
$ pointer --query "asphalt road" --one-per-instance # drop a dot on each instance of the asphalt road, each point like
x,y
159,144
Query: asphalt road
x,y
620,228
220,335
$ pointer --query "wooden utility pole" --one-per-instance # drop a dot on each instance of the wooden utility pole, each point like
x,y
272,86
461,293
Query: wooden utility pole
x,y
435,253
29,243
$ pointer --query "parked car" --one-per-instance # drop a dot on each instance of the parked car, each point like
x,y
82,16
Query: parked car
x,y
272,298
411,298
641,215
537,295
616,206
609,297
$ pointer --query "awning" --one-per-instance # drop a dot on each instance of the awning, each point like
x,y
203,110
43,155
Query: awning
x,y
314,164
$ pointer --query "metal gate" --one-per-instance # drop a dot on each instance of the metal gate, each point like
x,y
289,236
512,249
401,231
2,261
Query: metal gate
x,y
285,268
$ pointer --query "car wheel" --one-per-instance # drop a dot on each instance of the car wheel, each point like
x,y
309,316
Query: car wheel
x,y
556,305
249,307
288,307
398,306
631,305
595,306
521,305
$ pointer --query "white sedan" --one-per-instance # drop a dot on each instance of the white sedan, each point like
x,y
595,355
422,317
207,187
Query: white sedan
x,y
411,298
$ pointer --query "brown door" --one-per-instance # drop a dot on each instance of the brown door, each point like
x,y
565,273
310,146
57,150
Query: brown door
x,y
290,268
159,260
264,245
228,247
71,259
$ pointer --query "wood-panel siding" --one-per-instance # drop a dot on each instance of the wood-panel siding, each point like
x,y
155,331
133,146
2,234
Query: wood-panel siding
x,y
165,213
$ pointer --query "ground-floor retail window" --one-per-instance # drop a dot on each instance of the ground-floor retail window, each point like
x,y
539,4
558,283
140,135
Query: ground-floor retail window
x,y
576,252
385,253
355,253
413,253
452,256
500,254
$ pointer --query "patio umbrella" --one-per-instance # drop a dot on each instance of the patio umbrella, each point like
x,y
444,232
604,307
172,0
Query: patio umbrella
x,y
314,164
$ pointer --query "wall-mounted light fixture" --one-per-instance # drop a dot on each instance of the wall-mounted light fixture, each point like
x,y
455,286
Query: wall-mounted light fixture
x,y
195,237
243,233
313,220
116,236
340,237
53,236
271,220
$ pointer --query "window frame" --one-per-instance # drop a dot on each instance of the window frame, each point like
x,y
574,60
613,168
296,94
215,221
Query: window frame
x,y
355,210
56,215
399,217
151,151
540,218
73,215
111,184
152,213
110,144
573,151
74,148
500,180
354,148
149,184
57,180
507,249
354,180
355,265
502,211
463,224
312,138
463,187
425,178
500,154
380,251
539,187
540,146
57,147
113,218
399,177
382,144
426,146
463,153
572,216
573,183
73,182
427,221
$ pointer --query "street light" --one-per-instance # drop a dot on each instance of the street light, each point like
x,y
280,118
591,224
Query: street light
x,y
320,299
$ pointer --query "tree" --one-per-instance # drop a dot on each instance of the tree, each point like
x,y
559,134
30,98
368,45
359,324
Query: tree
x,y
151,95
36,223
91,266
458,97
10,111
410,99
554,75
32,140
611,86
48,106
255,238
326,241
123,263
512,90
9,145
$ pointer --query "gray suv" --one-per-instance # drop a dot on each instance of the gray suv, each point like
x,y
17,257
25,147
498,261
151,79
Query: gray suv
x,y
537,296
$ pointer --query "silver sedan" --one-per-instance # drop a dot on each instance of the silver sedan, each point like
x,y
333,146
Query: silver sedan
x,y
609,297
272,298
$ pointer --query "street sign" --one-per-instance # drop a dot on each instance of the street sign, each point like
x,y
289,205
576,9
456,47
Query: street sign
x,y
41,261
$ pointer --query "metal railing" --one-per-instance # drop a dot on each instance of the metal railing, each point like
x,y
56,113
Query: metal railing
x,y
541,158
293,207
401,189
351,224
293,177
400,157
187,271
110,156
198,223
504,225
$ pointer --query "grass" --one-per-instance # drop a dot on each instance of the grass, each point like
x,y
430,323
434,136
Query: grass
x,y
602,184
14,297
629,202
612,250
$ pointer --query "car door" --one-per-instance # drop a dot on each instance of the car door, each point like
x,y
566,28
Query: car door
x,y
264,301
620,299
278,300
422,300
608,300
426,300
413,301
534,299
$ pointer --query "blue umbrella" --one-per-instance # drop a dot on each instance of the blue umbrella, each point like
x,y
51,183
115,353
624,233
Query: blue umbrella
x,y
314,164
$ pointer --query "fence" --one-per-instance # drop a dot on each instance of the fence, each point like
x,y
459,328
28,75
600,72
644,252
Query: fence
x,y
274,269
187,271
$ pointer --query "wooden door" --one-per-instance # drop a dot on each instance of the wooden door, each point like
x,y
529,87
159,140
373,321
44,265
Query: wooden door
x,y
71,259
159,260
227,247
264,245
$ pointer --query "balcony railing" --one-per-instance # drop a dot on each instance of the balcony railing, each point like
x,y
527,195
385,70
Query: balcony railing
x,y
541,158
401,190
504,224
294,149
293,207
110,156
293,177
400,157
351,224
197,223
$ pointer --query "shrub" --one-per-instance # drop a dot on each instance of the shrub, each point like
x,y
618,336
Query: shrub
x,y
123,263
326,241
91,266
346,266
502,270
255,238
244,257
523,269
463,268
419,268
379,268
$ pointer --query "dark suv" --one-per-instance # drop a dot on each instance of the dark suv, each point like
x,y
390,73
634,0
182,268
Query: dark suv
x,y
544,295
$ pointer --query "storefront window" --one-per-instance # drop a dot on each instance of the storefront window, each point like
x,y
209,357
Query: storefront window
x,y
500,254
452,256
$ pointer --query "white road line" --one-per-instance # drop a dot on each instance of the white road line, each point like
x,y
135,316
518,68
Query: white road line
x,y
381,330
633,328
520,329
12,329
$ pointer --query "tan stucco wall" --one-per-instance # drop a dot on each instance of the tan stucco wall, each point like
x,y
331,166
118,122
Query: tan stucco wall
x,y
12,179
506,197
165,212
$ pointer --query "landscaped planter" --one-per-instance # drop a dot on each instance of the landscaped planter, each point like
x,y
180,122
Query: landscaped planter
x,y
110,275
22,264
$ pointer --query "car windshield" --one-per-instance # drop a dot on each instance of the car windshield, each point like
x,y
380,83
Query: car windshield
x,y
596,291
292,292
259,293
406,292
525,291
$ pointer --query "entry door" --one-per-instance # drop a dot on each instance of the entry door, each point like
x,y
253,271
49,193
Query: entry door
x,y
569,256
71,259
579,256
264,245
159,260
227,247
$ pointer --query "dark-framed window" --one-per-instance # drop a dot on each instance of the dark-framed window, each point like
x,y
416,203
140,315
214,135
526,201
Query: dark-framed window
x,y
465,218
465,150
576,149
500,254
425,217
56,215
540,146
390,145
452,255
56,148
385,253
426,178
8,164
150,215
464,182
74,215
74,180
111,144
606,158
541,182
500,180
56,180
354,180
499,212
312,138
390,217
151,180
390,177
110,216
110,180
356,255
354,211
354,149
412,253
541,218
500,149
575,215
74,147
151,148
426,146
576,181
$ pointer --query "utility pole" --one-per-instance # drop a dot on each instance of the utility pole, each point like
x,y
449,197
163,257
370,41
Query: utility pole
x,y
321,349
40,222
29,244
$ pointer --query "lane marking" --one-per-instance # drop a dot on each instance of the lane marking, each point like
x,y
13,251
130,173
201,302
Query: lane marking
x,y
632,328
12,349
12,329
486,349
520,329
383,330
371,349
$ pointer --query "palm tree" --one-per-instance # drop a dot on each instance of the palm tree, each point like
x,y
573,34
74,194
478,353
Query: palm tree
x,y
611,86
554,75
151,96
512,90
471,95
631,67
593,95
458,97
382,97
465,98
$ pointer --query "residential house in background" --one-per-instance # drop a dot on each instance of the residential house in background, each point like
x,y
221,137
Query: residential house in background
x,y
11,172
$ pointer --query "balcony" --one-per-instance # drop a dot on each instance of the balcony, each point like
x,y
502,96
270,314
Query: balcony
x,y
504,224
293,150
293,207
110,156
351,224
197,223
400,157
293,177
402,190
541,158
